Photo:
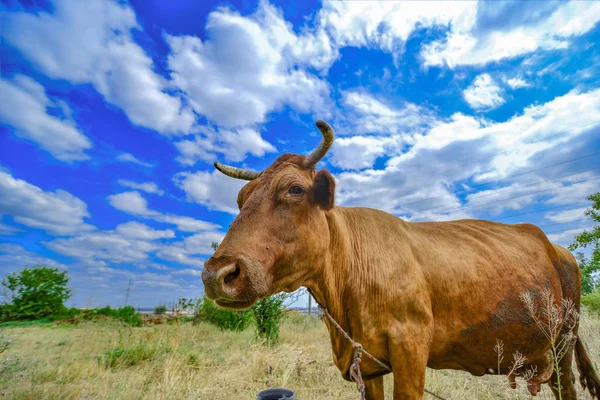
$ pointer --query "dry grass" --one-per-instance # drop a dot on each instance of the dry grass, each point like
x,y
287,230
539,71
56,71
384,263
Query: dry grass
x,y
109,361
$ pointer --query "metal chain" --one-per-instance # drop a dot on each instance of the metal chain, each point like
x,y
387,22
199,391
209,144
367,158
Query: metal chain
x,y
358,352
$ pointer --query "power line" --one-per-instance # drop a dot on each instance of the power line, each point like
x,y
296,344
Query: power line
x,y
503,179
563,223
520,174
539,210
514,197
508,187
570,229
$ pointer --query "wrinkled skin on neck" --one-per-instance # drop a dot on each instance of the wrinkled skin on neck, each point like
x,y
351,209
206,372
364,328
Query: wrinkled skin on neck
x,y
280,236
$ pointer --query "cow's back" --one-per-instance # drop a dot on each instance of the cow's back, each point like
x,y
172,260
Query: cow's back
x,y
477,271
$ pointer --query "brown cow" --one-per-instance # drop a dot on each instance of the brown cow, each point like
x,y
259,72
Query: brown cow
x,y
415,295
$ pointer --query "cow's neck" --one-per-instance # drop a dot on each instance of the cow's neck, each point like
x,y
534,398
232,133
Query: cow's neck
x,y
338,286
332,286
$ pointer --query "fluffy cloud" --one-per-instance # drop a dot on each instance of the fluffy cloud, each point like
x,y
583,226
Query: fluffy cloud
x,y
91,42
133,203
137,230
517,83
566,216
512,35
233,144
128,157
247,67
26,112
57,212
366,114
131,243
387,25
541,136
360,152
148,187
211,189
483,93
14,257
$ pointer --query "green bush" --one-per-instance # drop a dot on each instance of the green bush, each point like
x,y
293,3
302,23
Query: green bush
x,y
160,309
592,300
268,313
125,314
4,343
207,311
128,356
35,293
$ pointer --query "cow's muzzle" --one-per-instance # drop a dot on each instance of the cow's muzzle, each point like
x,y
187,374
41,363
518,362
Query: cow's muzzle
x,y
221,279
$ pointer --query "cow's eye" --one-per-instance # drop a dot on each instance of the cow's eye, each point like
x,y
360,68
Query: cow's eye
x,y
296,190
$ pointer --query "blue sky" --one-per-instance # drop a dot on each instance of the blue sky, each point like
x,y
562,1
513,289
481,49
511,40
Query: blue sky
x,y
112,113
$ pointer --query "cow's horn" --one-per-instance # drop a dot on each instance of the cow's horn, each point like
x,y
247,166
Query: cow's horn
x,y
238,173
319,152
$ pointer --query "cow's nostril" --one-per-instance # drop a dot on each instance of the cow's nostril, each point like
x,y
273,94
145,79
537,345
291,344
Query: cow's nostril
x,y
231,277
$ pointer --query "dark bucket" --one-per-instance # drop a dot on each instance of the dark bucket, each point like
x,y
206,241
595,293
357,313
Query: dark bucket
x,y
276,394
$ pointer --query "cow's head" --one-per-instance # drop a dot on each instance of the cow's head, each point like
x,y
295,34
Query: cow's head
x,y
280,235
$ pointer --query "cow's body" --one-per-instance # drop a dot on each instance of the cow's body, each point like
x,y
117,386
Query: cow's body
x,y
415,295
443,292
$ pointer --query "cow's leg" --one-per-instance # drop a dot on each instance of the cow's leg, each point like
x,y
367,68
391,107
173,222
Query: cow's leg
x,y
567,379
408,357
374,389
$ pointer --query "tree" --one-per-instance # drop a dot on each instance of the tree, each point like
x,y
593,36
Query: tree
x,y
36,292
267,314
592,238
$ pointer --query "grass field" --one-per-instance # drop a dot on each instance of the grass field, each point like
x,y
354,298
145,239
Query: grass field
x,y
107,360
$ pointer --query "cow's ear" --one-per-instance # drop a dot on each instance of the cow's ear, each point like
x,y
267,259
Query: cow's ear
x,y
323,190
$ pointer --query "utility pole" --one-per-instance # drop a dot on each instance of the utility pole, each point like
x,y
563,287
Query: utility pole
x,y
309,304
128,290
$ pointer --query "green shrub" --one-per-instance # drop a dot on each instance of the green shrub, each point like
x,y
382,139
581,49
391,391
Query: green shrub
x,y
4,343
268,313
207,311
592,300
125,314
128,356
160,309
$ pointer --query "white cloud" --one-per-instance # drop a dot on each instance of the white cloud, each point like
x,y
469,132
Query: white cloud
x,y
248,67
133,203
128,243
200,243
127,157
359,152
91,42
179,255
212,189
517,83
465,148
57,212
7,230
387,25
483,93
137,230
14,257
189,272
566,216
148,187
366,114
467,44
233,144
186,224
25,107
